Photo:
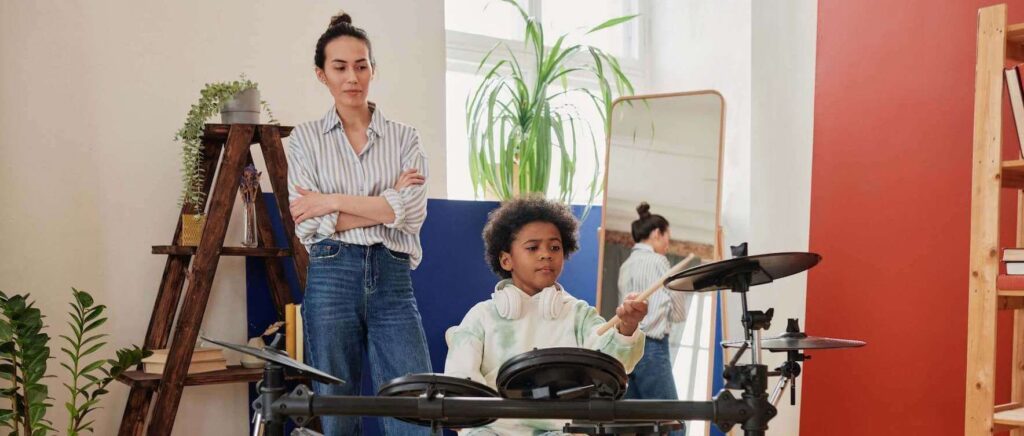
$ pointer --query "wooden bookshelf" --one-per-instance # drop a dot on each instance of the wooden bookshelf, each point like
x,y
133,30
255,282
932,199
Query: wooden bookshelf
x,y
998,44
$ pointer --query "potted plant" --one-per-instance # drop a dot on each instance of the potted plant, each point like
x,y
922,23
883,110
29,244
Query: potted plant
x,y
25,351
516,126
239,102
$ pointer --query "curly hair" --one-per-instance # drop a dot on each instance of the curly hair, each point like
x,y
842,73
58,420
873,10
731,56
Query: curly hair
x,y
504,223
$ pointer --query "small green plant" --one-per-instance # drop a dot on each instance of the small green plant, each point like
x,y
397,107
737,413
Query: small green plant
x,y
516,124
212,98
89,380
24,351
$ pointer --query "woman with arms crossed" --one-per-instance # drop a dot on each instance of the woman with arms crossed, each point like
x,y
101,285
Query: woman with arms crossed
x,y
357,197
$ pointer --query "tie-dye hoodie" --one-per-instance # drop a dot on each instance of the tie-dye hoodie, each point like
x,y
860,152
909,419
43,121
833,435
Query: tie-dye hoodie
x,y
487,338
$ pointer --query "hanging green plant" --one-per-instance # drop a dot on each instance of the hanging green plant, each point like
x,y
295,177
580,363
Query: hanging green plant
x,y
212,98
516,125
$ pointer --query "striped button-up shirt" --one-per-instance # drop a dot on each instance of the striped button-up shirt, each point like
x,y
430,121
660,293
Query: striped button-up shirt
x,y
321,159
642,269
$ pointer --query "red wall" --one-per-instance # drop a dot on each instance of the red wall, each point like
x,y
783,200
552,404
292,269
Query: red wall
x,y
890,213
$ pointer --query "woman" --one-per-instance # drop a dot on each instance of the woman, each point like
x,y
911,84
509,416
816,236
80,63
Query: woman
x,y
652,377
358,201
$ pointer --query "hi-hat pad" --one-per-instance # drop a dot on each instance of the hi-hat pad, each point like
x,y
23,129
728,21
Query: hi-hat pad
x,y
762,268
282,360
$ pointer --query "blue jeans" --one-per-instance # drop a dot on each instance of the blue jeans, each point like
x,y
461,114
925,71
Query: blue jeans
x,y
652,379
360,299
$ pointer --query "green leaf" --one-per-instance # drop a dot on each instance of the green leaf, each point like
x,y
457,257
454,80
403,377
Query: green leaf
x,y
612,22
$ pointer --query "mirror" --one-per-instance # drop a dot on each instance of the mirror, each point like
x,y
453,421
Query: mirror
x,y
666,150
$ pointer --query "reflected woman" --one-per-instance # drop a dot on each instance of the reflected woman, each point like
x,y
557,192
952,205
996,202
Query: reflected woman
x,y
652,377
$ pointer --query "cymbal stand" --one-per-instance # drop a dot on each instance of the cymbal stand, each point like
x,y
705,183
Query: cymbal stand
x,y
752,378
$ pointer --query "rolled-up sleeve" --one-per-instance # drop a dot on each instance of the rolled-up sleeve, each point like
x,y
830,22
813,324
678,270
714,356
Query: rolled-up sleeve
x,y
410,203
300,174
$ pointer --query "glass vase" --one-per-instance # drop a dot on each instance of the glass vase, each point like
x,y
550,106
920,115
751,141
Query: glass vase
x,y
249,238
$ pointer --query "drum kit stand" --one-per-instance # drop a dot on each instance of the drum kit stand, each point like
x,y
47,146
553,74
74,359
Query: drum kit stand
x,y
578,385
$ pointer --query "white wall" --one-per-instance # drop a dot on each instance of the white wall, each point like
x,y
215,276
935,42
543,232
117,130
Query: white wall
x,y
91,94
760,56
782,128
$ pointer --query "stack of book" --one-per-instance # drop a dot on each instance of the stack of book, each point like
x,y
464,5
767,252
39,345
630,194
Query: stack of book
x,y
1014,260
203,360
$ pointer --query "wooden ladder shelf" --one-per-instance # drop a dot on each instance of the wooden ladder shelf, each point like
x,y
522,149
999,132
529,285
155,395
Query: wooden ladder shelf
x,y
228,144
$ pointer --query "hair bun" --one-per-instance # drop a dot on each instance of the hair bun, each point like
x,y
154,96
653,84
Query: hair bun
x,y
644,210
339,18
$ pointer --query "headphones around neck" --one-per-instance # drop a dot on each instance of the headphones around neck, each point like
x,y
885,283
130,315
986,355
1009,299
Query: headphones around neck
x,y
509,301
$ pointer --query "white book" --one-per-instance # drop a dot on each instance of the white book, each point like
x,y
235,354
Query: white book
x,y
1013,86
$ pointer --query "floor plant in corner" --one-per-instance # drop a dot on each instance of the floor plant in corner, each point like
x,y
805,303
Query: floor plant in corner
x,y
25,352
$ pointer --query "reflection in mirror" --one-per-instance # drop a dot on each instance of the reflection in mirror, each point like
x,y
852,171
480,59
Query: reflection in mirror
x,y
665,150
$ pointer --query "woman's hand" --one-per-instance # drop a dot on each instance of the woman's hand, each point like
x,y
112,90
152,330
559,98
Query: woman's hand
x,y
409,178
311,205
630,313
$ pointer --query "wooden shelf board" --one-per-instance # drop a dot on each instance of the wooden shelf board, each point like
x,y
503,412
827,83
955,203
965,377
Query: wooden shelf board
x,y
180,250
234,374
1013,174
1010,417
219,132
1015,33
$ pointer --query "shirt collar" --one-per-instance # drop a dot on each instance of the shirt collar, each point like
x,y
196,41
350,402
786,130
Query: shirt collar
x,y
643,247
377,120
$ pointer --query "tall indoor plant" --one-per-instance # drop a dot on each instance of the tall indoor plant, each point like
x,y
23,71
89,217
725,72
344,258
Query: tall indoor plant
x,y
212,99
516,126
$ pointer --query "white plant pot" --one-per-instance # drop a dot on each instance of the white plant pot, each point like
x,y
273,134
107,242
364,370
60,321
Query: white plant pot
x,y
243,108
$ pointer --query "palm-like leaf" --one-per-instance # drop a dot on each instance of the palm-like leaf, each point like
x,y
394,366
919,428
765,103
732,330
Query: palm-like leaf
x,y
515,125
89,380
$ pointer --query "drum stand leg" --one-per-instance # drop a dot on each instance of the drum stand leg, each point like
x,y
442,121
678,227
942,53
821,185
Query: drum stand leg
x,y
752,378
268,421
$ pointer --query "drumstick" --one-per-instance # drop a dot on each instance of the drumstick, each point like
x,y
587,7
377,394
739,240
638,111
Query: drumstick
x,y
650,291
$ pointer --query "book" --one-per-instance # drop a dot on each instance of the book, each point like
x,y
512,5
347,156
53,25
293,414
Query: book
x,y
201,354
1013,87
193,368
289,330
1015,268
300,349
1013,255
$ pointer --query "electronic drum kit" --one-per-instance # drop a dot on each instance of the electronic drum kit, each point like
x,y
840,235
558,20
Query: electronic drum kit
x,y
583,387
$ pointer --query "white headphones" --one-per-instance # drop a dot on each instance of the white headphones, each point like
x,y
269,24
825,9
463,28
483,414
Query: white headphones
x,y
509,301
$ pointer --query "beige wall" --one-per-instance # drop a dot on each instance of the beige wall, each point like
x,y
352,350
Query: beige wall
x,y
91,94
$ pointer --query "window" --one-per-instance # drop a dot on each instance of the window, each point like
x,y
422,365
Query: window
x,y
473,27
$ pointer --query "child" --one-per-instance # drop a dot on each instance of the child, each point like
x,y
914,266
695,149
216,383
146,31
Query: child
x,y
526,241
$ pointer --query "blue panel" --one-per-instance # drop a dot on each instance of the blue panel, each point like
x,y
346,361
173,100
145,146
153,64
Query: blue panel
x,y
451,279
718,364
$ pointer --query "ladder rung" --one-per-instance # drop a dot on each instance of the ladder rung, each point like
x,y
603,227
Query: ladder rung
x,y
180,250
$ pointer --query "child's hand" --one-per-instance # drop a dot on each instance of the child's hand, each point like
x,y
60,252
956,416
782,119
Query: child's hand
x,y
630,313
